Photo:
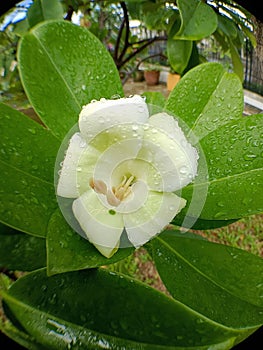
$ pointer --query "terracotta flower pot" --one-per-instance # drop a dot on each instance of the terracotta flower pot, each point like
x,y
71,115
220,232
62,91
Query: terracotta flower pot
x,y
152,77
172,80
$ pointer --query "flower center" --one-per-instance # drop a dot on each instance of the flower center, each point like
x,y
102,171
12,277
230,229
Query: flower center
x,y
124,189
116,194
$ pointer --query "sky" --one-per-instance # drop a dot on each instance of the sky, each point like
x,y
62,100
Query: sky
x,y
17,15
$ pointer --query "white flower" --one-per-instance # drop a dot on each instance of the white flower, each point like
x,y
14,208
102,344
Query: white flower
x,y
122,168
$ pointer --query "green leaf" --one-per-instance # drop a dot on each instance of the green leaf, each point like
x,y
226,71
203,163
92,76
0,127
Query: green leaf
x,y
19,251
155,101
28,152
236,60
26,145
233,186
205,98
227,26
42,10
200,224
179,53
198,20
18,336
103,309
61,72
68,251
219,282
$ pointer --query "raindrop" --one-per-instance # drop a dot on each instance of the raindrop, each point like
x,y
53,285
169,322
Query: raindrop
x,y
82,144
44,288
141,109
219,214
32,131
183,170
115,97
146,127
250,156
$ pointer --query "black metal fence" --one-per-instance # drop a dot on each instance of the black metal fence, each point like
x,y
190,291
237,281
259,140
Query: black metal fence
x,y
253,65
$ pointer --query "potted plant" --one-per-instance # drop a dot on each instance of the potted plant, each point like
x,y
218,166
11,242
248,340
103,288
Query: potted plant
x,y
172,79
151,73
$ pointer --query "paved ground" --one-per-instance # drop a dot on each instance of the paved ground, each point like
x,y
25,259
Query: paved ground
x,y
131,88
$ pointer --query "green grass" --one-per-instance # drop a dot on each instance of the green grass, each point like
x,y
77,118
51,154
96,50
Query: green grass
x,y
245,234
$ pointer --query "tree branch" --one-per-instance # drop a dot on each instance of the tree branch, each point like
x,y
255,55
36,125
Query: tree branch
x,y
127,31
69,13
140,49
115,56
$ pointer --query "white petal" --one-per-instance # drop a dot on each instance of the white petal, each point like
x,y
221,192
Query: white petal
x,y
175,161
136,200
67,184
85,169
101,115
102,227
113,157
158,211
170,126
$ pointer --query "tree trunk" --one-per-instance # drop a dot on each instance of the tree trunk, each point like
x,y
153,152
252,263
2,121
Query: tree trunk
x,y
258,52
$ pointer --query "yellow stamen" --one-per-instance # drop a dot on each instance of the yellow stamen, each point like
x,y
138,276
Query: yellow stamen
x,y
117,194
123,190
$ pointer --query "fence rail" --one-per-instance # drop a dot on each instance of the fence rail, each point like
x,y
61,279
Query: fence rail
x,y
253,65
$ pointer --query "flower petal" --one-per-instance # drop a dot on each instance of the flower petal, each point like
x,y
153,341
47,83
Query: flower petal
x,y
171,155
102,226
67,184
100,115
158,211
136,200
114,156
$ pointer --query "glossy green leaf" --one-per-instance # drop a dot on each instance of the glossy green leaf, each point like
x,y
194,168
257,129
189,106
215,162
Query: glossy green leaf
x,y
68,251
220,282
155,101
19,251
206,98
198,20
11,330
236,60
200,224
43,10
18,336
61,72
233,186
27,158
154,98
227,26
26,145
179,53
95,309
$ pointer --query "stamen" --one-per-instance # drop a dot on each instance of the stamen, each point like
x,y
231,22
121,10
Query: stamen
x,y
112,199
123,190
98,186
117,194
